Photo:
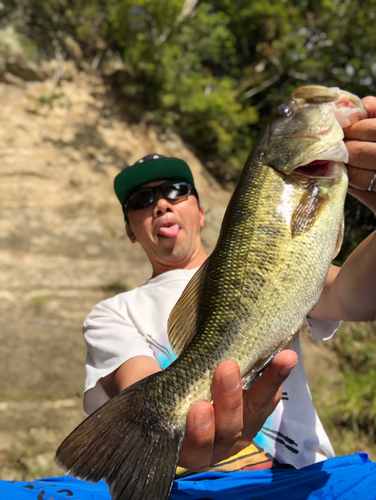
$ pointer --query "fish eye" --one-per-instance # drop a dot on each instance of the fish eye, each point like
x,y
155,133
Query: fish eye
x,y
285,111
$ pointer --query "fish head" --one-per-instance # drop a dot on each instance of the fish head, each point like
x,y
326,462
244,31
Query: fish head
x,y
306,134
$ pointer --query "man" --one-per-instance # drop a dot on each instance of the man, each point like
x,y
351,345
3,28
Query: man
x,y
127,338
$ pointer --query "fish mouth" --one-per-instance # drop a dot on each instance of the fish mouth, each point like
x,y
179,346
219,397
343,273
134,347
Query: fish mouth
x,y
323,163
336,110
328,169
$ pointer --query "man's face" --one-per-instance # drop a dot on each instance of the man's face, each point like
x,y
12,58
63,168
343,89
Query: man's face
x,y
168,231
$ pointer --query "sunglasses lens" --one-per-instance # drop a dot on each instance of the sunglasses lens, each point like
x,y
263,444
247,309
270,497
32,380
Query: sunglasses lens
x,y
175,190
141,198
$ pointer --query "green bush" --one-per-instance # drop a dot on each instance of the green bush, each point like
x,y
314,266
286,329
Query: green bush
x,y
354,406
213,71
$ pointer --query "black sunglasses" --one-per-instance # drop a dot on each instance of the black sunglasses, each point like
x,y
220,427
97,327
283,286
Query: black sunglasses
x,y
145,196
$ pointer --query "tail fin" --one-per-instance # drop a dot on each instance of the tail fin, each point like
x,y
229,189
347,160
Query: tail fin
x,y
124,443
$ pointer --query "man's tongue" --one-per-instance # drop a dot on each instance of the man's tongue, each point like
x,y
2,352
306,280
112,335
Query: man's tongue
x,y
169,231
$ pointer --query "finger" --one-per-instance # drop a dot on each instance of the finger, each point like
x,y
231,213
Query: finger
x,y
276,373
363,130
362,154
198,444
227,396
370,104
265,394
360,178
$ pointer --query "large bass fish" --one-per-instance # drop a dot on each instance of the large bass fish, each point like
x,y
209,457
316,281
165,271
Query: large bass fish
x,y
279,234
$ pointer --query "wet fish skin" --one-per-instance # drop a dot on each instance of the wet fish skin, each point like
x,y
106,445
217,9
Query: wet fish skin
x,y
245,303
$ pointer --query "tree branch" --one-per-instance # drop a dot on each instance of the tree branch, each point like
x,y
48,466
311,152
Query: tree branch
x,y
188,7
264,85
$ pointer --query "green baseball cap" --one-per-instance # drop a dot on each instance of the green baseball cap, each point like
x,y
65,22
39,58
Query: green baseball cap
x,y
150,168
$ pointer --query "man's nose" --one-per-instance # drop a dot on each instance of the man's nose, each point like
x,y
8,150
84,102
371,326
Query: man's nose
x,y
161,205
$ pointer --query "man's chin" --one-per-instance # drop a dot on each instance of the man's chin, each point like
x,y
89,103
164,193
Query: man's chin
x,y
173,253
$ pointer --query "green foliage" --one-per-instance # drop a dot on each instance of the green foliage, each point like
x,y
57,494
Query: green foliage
x,y
355,405
213,70
172,56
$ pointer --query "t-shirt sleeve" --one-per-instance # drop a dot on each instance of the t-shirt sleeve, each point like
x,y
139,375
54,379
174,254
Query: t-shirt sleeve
x,y
111,339
322,329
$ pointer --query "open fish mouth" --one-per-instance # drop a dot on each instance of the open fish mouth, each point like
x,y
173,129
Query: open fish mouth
x,y
347,109
320,168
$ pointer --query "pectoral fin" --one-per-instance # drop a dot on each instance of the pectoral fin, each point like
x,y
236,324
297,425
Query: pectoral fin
x,y
185,316
307,212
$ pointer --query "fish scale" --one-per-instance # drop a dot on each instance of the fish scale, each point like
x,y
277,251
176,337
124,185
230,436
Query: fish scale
x,y
278,237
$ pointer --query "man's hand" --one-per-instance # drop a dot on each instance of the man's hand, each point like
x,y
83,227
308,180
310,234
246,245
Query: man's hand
x,y
350,292
219,431
360,140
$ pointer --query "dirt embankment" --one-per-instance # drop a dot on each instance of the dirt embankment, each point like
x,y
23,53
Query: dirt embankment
x,y
63,246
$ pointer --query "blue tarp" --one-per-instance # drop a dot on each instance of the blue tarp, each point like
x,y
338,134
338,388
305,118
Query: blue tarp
x,y
342,478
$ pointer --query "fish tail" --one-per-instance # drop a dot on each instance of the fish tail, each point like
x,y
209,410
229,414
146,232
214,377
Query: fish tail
x,y
124,443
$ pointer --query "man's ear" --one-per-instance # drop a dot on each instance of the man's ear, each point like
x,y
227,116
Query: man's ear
x,y
130,233
202,217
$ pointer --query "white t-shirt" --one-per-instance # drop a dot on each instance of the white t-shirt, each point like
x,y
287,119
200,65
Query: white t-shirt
x,y
134,323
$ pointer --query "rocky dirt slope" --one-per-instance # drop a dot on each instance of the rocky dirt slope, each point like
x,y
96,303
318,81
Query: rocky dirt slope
x,y
63,247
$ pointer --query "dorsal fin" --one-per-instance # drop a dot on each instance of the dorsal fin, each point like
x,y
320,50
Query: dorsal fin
x,y
184,317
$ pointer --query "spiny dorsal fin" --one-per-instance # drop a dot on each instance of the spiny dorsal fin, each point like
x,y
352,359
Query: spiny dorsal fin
x,y
341,234
184,317
307,211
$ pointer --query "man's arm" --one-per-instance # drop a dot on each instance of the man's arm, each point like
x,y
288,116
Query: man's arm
x,y
350,291
219,431
128,374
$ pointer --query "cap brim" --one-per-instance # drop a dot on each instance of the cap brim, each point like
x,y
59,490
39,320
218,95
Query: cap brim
x,y
141,173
